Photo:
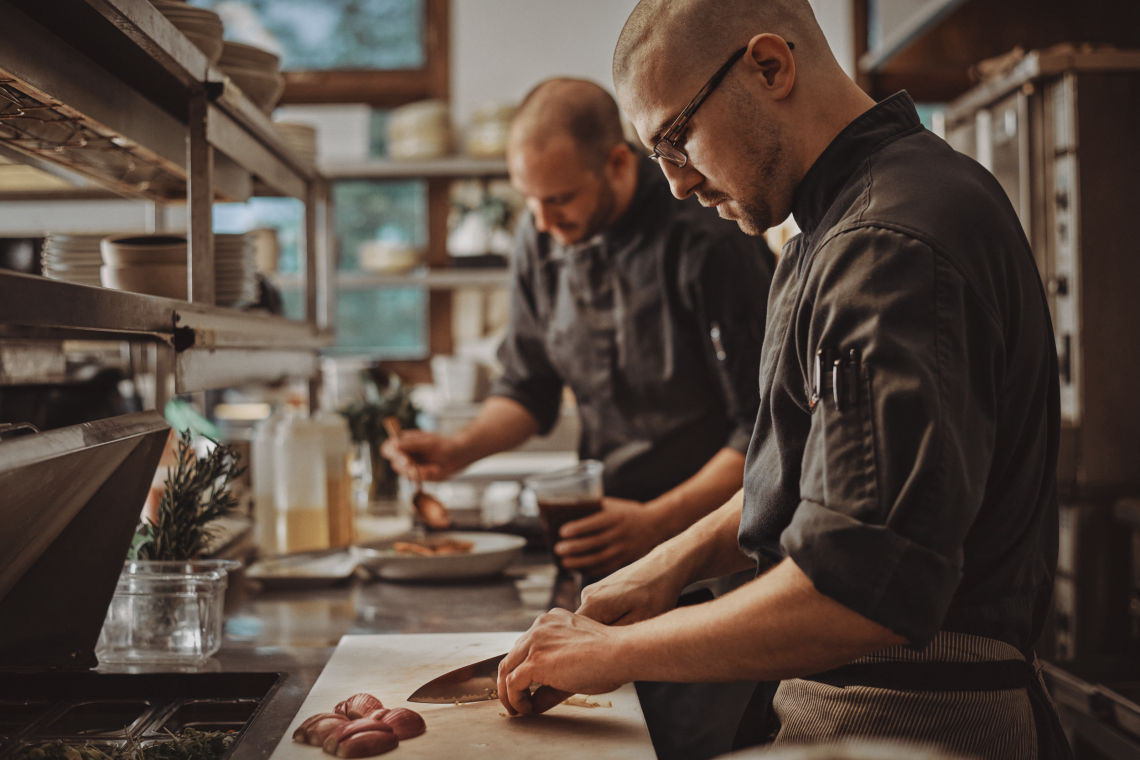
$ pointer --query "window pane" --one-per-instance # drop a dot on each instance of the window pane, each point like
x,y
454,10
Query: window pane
x,y
285,215
329,34
395,212
388,322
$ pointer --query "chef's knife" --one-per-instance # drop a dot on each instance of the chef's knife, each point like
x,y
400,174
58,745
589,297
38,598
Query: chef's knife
x,y
478,682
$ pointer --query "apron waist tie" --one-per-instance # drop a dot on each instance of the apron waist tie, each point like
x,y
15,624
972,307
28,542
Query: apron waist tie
x,y
998,675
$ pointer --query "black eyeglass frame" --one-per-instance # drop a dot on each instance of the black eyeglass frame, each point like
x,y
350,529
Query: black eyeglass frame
x,y
673,153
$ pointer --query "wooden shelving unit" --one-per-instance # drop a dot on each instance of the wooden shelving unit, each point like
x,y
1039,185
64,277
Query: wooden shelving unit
x,y
432,279
449,167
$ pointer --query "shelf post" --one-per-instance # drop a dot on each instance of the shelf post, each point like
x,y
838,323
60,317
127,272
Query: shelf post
x,y
317,275
200,196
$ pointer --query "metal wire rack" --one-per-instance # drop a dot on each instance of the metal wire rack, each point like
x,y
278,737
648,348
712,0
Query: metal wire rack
x,y
48,130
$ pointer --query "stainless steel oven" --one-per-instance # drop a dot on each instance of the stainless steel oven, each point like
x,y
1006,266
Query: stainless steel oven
x,y
1060,133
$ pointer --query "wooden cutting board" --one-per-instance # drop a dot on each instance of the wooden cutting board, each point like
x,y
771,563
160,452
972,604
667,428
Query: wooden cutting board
x,y
391,667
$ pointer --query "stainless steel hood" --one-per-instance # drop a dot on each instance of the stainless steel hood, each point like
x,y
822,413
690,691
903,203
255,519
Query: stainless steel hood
x,y
69,503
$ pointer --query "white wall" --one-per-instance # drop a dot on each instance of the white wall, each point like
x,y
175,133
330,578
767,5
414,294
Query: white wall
x,y
502,48
34,218
836,19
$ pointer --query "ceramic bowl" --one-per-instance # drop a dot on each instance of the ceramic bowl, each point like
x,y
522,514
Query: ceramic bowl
x,y
130,250
263,87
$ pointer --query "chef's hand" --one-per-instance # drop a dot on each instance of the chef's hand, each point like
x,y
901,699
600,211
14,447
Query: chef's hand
x,y
636,592
436,456
563,651
599,544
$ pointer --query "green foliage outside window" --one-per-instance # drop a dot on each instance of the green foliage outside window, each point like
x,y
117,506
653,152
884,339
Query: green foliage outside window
x,y
327,35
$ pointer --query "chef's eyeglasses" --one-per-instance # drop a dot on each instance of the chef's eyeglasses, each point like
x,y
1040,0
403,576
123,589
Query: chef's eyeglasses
x,y
666,147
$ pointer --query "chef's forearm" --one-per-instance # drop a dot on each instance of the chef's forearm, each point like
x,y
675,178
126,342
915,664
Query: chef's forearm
x,y
713,485
777,626
707,549
501,425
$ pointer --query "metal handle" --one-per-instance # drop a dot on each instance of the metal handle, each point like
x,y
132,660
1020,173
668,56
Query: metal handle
x,y
16,429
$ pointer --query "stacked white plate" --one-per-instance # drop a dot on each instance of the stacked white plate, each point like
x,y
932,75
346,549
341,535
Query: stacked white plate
x,y
420,130
300,139
235,270
255,71
201,26
156,265
74,258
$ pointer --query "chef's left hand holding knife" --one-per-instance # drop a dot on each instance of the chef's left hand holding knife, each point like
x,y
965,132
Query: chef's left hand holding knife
x,y
564,651
583,652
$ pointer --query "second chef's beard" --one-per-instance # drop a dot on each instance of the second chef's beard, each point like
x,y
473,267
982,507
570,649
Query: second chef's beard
x,y
603,211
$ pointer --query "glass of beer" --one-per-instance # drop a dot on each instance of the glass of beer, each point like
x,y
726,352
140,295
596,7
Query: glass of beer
x,y
566,495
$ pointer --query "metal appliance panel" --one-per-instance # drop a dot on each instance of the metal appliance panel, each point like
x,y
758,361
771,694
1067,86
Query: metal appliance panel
x,y
1059,134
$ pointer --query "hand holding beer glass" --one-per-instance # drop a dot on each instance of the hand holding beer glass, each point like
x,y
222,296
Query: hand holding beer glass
x,y
566,495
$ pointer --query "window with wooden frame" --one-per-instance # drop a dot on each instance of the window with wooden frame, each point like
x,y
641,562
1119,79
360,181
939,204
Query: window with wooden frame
x,y
382,54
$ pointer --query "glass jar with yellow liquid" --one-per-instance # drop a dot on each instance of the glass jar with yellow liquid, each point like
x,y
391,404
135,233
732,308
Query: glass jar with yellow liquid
x,y
338,478
300,491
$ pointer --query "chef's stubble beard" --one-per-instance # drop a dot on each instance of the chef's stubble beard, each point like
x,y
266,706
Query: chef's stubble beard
x,y
762,159
765,161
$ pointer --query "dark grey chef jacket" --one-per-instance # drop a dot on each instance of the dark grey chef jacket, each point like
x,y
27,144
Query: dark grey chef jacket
x,y
655,324
927,500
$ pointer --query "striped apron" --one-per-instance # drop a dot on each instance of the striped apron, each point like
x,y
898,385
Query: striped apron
x,y
966,694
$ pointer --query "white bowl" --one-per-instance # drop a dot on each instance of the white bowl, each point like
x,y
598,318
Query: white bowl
x,y
168,280
240,54
123,250
201,26
383,256
263,87
205,41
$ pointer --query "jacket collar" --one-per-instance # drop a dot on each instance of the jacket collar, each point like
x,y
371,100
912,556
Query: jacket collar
x,y
878,125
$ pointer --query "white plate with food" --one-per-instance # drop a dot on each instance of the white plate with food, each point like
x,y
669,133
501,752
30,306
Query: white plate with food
x,y
442,556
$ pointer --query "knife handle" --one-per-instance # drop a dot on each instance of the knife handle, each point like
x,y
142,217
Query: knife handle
x,y
545,697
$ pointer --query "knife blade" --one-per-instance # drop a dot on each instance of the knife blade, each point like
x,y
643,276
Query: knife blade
x,y
478,682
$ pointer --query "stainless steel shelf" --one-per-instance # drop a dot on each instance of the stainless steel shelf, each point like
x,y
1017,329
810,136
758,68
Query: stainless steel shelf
x,y
37,303
213,346
432,279
109,93
138,121
453,167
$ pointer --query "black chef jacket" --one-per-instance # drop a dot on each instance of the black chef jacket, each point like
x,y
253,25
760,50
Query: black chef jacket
x,y
905,450
655,324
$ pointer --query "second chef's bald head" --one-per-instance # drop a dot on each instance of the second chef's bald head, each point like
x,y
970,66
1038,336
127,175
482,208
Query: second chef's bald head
x,y
567,155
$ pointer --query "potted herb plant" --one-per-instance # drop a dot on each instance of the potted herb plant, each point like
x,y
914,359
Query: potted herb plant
x,y
382,398
167,606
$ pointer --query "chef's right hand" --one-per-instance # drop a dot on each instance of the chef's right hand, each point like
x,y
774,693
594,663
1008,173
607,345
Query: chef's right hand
x,y
636,592
435,456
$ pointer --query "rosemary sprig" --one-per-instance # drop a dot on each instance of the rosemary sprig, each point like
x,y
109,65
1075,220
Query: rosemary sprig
x,y
197,492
